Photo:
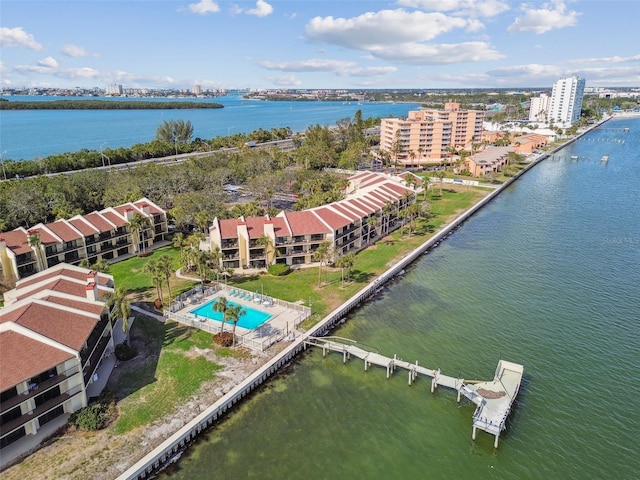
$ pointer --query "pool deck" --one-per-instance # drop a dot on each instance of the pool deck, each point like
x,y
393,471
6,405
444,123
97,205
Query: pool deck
x,y
285,316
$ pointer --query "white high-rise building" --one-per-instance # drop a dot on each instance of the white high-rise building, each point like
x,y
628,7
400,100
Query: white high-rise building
x,y
566,101
539,108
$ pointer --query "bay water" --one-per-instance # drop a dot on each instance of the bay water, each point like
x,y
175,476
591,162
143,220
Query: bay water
x,y
33,134
547,275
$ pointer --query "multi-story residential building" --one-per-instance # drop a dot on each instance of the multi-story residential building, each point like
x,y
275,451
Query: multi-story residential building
x,y
369,211
489,160
105,235
429,135
538,108
55,335
565,105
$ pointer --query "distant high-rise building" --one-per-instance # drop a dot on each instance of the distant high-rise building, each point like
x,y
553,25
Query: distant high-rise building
x,y
539,108
566,100
196,90
114,89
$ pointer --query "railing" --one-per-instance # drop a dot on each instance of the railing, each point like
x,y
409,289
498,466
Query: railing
x,y
39,410
38,389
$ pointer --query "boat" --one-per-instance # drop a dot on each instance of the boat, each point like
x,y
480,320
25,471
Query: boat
x,y
604,159
574,157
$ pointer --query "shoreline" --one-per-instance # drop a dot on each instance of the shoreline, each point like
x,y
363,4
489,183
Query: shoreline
x,y
170,450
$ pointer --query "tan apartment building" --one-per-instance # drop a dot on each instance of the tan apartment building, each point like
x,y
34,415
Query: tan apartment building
x,y
369,211
105,235
56,340
428,135
491,159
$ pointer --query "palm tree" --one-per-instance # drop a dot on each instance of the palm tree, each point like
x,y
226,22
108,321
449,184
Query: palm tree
x,y
157,278
234,313
137,224
119,306
387,210
221,305
322,254
33,239
371,223
165,268
440,175
266,242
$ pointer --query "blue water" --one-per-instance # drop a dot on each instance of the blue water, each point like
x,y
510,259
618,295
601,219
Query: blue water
x,y
546,275
251,320
33,134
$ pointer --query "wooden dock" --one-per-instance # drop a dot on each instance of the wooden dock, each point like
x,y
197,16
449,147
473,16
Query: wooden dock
x,y
493,399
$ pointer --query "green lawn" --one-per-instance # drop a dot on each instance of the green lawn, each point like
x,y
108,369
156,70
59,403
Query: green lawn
x,y
129,273
166,375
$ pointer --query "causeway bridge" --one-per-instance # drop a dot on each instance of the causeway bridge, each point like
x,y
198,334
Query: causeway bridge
x,y
493,399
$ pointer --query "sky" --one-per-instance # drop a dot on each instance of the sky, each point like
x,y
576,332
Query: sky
x,y
315,44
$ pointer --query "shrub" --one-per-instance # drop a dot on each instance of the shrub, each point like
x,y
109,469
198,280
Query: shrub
x,y
279,269
124,352
97,415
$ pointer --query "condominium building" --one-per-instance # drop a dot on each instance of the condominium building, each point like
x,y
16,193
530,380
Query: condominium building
x,y
56,341
489,160
429,135
539,108
565,104
106,235
369,211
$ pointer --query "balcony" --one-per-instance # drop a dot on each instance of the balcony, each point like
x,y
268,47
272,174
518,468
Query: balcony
x,y
229,244
43,408
95,358
39,388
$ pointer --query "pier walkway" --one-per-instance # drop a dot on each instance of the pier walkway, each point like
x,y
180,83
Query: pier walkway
x,y
493,399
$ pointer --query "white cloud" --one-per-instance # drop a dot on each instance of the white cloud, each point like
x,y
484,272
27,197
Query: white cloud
x,y
400,36
48,62
76,51
311,65
285,81
339,67
614,59
540,20
204,6
262,9
530,70
17,37
368,71
387,27
437,54
482,8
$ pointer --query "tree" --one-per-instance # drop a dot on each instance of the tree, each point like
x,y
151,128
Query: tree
x,y
221,305
119,306
387,210
165,268
439,175
137,225
33,239
266,242
346,262
234,313
157,279
322,254
175,132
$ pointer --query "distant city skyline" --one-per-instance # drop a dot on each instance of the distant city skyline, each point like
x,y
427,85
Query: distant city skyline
x,y
317,44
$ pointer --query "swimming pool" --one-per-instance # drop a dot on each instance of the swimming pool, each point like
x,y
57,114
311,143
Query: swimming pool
x,y
250,320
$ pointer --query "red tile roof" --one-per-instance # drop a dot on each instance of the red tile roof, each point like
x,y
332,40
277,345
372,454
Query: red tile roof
x,y
60,271
84,227
153,210
16,240
22,357
228,228
280,227
343,208
114,218
305,223
68,328
255,227
99,222
45,237
64,231
334,220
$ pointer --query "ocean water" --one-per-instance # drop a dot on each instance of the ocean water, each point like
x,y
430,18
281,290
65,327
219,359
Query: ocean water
x,y
547,275
60,131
